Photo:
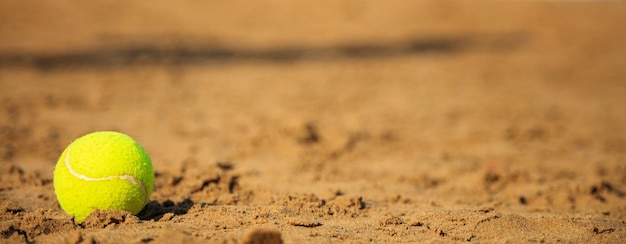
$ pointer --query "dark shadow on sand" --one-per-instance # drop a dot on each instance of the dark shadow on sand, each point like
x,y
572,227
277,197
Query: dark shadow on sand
x,y
155,210
115,57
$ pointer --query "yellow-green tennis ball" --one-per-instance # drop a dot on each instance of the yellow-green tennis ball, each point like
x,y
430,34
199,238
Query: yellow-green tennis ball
x,y
103,170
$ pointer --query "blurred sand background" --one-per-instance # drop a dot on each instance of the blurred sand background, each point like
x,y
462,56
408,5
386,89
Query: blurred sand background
x,y
323,121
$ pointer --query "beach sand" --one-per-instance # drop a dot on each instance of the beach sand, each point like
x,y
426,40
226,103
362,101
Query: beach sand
x,y
323,121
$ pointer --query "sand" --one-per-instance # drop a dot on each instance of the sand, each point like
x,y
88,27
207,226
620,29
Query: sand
x,y
323,121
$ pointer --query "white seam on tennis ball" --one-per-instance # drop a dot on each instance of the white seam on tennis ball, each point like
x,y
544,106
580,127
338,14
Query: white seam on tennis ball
x,y
128,178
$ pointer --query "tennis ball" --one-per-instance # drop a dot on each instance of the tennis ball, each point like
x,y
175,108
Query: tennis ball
x,y
103,170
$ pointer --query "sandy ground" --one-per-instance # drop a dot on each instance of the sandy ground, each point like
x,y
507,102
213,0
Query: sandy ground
x,y
323,121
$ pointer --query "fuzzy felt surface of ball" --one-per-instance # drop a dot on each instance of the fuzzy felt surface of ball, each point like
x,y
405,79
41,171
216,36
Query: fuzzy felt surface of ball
x,y
104,170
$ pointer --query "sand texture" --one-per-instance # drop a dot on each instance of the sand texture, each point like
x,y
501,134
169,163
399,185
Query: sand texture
x,y
323,121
